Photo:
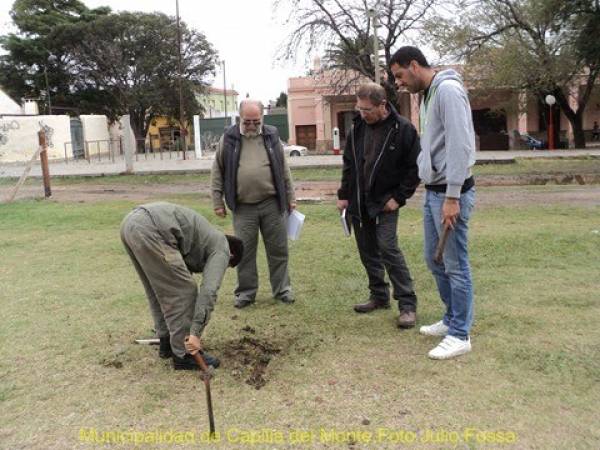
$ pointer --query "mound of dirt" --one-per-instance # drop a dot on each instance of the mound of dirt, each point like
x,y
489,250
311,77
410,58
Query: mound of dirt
x,y
248,358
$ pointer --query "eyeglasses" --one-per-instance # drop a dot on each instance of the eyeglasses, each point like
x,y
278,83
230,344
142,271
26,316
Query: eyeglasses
x,y
251,122
367,110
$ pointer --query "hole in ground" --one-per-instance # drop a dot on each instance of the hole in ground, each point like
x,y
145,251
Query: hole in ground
x,y
249,357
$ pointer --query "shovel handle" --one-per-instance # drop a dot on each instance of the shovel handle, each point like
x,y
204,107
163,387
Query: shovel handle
x,y
211,418
439,250
200,361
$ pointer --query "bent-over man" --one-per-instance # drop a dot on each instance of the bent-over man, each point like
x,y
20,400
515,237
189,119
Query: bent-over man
x,y
167,243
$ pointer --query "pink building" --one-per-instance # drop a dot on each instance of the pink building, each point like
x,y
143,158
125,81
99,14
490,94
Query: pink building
x,y
500,116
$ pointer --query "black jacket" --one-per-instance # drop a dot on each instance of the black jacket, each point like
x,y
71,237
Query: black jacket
x,y
231,161
394,175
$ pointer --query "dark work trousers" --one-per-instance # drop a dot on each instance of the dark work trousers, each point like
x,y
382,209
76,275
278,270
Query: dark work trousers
x,y
377,243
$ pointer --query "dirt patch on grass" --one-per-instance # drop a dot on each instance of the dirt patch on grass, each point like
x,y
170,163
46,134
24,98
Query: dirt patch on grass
x,y
249,356
578,190
105,192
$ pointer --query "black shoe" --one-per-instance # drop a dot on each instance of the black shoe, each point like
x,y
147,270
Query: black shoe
x,y
240,303
286,299
164,350
189,363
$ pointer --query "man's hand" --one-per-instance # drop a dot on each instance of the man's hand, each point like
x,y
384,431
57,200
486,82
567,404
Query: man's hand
x,y
193,344
341,205
450,212
221,212
391,205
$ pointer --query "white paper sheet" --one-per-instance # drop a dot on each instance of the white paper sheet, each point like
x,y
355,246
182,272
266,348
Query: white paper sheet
x,y
295,221
345,220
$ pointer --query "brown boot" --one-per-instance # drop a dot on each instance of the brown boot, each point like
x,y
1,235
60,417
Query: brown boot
x,y
371,305
407,319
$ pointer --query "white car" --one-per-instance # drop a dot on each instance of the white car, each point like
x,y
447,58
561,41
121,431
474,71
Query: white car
x,y
294,150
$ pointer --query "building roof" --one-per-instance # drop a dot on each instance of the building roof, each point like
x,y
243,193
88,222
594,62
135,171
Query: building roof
x,y
216,90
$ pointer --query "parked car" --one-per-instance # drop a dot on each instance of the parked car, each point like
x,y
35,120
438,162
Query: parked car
x,y
294,150
533,143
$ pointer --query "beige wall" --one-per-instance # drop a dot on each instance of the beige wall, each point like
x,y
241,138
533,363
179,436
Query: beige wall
x,y
19,136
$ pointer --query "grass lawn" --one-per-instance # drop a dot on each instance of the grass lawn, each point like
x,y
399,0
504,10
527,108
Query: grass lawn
x,y
72,306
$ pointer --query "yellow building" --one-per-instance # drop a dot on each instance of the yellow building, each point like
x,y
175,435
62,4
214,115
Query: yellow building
x,y
163,134
214,102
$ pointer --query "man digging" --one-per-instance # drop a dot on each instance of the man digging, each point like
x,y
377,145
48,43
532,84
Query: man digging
x,y
167,243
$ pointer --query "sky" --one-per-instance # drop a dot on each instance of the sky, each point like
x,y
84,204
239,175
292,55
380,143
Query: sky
x,y
244,32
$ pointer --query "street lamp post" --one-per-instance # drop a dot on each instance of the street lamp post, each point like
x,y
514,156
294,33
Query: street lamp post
x,y
47,89
224,92
51,60
181,128
550,101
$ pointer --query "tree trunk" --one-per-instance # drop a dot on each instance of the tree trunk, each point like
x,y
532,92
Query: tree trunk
x,y
575,118
137,125
578,133
392,95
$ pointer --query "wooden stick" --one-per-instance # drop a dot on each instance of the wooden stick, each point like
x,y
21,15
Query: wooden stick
x,y
12,195
44,161
206,376
439,250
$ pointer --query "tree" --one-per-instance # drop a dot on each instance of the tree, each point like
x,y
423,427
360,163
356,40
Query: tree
x,y
105,63
37,50
540,46
281,101
132,59
348,29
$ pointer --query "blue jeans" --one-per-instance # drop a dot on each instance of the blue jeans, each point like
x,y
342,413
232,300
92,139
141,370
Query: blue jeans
x,y
453,275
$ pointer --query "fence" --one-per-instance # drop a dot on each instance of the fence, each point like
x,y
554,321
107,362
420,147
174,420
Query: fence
x,y
111,150
155,148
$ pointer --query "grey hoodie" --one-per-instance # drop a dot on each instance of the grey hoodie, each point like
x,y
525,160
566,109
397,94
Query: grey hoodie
x,y
447,134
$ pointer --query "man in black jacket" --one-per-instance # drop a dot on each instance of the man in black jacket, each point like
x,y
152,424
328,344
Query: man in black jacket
x,y
380,173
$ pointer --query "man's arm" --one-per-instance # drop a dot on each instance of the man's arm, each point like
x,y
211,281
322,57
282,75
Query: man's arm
x,y
347,158
409,181
212,277
456,114
345,185
289,183
216,180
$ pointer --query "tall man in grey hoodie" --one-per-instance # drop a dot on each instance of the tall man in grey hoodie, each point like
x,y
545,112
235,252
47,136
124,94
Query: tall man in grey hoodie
x,y
445,162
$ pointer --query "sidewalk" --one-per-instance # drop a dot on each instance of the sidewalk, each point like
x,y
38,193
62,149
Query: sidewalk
x,y
179,166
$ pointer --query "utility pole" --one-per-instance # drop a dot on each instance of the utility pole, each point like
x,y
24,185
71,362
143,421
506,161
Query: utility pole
x,y
550,101
47,89
373,15
225,93
181,128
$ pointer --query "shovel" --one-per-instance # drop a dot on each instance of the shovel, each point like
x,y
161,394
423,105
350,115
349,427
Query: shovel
x,y
439,250
206,376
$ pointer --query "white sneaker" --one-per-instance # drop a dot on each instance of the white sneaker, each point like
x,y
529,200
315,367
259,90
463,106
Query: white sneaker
x,y
450,347
435,329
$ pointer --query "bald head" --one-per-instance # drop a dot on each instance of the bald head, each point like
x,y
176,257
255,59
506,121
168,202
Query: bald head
x,y
249,105
251,112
